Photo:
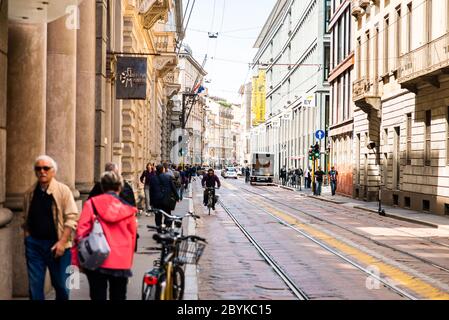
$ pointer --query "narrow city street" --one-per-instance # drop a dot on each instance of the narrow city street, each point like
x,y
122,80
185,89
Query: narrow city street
x,y
326,250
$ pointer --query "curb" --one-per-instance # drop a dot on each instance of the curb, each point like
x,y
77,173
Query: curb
x,y
397,217
389,215
191,275
327,200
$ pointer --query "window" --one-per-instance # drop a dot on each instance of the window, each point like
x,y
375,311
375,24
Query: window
x,y
327,53
359,58
447,136
357,159
396,162
367,55
328,14
398,35
427,133
409,27
386,43
409,139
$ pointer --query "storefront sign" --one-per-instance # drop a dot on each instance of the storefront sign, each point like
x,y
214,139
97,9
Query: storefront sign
x,y
131,81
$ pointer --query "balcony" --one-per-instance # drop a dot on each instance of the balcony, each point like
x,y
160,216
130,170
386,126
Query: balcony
x,y
152,11
165,42
424,64
356,9
365,94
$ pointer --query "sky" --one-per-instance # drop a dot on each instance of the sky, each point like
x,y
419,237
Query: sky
x,y
238,23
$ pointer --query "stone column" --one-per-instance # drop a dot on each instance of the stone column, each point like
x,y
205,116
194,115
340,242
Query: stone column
x,y
5,214
61,99
85,99
26,94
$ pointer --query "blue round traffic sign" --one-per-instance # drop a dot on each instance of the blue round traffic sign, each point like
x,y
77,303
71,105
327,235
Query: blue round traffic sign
x,y
319,134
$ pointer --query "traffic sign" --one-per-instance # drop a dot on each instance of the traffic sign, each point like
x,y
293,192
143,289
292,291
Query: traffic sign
x,y
319,134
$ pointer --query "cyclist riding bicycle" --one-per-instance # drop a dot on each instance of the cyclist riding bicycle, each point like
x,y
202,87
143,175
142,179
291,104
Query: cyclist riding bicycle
x,y
209,181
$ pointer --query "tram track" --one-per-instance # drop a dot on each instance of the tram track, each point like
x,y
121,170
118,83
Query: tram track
x,y
297,291
377,242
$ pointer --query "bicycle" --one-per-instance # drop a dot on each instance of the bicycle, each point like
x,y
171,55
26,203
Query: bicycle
x,y
166,281
210,198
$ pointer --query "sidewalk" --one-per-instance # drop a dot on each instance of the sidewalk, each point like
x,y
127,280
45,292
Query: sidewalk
x,y
426,219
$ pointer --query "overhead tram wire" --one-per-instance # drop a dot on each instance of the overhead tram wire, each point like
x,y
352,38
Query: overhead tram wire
x,y
187,23
219,32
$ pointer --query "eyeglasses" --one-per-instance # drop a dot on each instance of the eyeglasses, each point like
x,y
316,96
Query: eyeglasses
x,y
38,169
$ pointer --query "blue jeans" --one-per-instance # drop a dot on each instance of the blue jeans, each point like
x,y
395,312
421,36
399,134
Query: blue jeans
x,y
333,187
39,257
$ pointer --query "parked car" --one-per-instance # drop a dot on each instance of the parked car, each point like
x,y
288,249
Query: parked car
x,y
229,172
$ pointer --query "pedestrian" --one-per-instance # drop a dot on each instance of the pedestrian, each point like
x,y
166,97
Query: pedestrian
x,y
163,194
178,181
283,175
333,176
126,193
117,218
247,174
319,180
167,169
308,178
299,173
145,179
50,217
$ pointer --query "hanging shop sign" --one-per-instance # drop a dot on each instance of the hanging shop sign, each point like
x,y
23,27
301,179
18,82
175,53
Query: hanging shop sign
x,y
131,81
309,100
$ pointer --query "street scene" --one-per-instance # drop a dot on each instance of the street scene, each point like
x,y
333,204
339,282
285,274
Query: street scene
x,y
224,150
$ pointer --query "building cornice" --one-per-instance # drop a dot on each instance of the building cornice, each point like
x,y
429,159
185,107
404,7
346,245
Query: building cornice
x,y
347,63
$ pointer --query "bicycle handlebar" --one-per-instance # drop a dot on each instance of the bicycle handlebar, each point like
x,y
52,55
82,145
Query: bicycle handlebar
x,y
178,218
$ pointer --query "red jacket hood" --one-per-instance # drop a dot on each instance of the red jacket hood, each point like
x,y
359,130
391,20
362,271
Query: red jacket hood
x,y
111,209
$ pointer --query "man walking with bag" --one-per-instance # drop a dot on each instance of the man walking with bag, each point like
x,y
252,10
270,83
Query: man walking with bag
x,y
163,194
50,216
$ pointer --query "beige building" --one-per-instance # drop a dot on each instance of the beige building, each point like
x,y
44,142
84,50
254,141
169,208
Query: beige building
x,y
219,146
57,97
402,101
191,74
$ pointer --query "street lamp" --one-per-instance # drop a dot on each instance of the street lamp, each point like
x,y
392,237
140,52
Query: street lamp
x,y
372,146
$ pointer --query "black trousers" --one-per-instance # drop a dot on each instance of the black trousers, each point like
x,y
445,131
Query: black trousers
x,y
98,286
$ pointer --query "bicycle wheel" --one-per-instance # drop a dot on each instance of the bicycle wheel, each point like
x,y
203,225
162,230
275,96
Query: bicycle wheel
x,y
178,283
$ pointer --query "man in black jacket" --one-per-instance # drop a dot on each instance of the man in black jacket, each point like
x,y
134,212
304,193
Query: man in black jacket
x,y
127,193
162,187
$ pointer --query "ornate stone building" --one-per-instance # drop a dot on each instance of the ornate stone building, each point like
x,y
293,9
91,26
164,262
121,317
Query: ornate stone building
x,y
57,97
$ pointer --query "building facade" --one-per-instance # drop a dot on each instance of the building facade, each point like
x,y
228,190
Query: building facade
x,y
341,123
191,75
245,123
57,97
294,49
401,98
219,144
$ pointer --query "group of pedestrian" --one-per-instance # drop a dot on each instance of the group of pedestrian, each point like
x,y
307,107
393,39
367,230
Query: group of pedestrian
x,y
54,228
292,178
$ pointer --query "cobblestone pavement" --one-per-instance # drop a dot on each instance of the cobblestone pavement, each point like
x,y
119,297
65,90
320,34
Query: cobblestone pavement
x,y
232,268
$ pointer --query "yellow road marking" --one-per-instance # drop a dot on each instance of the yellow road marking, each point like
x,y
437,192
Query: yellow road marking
x,y
419,286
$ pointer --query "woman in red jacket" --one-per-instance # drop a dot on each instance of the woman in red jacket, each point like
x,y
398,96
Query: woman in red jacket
x,y
119,225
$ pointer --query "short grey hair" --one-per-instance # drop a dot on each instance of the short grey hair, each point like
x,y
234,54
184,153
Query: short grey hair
x,y
111,166
111,181
44,157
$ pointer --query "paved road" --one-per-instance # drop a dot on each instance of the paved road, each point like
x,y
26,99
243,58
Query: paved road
x,y
410,257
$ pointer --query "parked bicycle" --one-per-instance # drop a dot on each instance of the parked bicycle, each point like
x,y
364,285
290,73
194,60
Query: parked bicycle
x,y
166,280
